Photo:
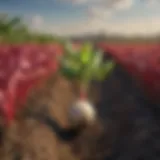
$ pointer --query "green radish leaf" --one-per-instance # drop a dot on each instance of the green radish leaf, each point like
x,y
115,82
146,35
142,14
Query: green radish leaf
x,y
69,51
96,60
104,70
84,64
108,67
86,52
87,74
68,47
69,73
92,66
99,75
70,68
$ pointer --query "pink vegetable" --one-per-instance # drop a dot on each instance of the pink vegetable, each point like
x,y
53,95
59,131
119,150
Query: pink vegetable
x,y
21,67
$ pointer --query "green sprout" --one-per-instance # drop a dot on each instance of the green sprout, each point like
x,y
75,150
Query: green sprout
x,y
84,64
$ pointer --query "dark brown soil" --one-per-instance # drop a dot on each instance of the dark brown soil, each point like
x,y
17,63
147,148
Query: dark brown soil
x,y
28,139
127,128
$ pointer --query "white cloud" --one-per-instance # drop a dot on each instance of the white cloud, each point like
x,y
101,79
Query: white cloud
x,y
139,26
107,3
104,5
129,27
98,14
151,3
79,1
37,21
103,9
123,4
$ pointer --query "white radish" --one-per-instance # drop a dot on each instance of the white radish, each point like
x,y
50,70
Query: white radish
x,y
82,111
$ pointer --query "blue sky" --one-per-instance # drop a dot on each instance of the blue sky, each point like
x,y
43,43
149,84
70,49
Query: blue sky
x,y
74,17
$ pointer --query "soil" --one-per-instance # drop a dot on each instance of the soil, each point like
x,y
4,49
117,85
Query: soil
x,y
28,139
125,130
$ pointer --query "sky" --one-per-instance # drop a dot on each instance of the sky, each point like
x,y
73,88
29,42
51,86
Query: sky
x,y
76,17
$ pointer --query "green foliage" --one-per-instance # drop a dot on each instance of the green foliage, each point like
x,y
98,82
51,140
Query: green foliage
x,y
84,64
13,30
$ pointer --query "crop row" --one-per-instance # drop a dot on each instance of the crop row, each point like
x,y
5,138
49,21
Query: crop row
x,y
142,60
22,65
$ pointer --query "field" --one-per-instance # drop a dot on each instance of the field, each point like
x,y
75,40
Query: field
x,y
27,138
127,126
